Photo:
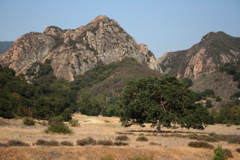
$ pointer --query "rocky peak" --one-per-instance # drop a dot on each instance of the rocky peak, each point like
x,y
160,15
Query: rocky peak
x,y
102,18
73,52
53,31
205,57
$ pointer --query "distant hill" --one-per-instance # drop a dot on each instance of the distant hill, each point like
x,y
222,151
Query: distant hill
x,y
202,63
5,45
213,51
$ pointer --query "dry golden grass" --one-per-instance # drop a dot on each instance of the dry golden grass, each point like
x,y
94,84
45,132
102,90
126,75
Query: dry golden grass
x,y
107,128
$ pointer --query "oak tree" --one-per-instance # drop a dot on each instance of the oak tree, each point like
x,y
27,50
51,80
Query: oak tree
x,y
165,101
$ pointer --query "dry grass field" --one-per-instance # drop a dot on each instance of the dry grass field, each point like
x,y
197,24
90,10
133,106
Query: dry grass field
x,y
171,144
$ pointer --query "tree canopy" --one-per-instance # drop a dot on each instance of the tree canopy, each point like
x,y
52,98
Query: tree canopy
x,y
165,101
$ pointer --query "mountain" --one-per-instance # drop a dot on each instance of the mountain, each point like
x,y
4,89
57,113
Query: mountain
x,y
74,51
5,45
205,57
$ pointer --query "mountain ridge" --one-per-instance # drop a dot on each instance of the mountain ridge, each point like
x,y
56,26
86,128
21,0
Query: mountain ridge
x,y
205,57
74,51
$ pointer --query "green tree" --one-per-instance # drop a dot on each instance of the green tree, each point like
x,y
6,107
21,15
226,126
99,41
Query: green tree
x,y
90,105
161,101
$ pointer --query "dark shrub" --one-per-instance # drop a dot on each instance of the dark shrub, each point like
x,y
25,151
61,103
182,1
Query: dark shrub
x,y
28,121
142,138
66,143
209,104
122,138
120,143
218,99
200,145
42,142
53,143
59,127
3,145
86,141
105,142
238,150
228,153
17,143
154,144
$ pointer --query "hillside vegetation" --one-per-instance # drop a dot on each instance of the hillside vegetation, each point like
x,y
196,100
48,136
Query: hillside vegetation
x,y
47,96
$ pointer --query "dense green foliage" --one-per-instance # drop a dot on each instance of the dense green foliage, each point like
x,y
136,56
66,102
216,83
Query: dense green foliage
x,y
203,95
46,97
58,127
164,101
94,76
232,69
229,113
188,82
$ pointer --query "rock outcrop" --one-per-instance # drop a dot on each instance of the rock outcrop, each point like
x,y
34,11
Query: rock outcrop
x,y
73,52
212,51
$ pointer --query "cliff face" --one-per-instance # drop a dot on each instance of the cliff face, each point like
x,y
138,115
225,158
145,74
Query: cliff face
x,y
213,50
73,52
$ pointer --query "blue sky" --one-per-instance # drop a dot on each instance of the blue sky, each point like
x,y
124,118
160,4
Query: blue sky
x,y
163,25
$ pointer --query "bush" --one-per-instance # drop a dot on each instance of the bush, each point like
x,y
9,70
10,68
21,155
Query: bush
x,y
142,138
16,143
209,104
66,143
238,150
86,141
3,145
74,123
59,127
219,154
28,121
122,138
42,142
228,153
105,142
218,99
154,144
200,145
120,143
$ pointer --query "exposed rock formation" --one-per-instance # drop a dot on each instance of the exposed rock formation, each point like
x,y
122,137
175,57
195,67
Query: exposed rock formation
x,y
213,50
73,52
